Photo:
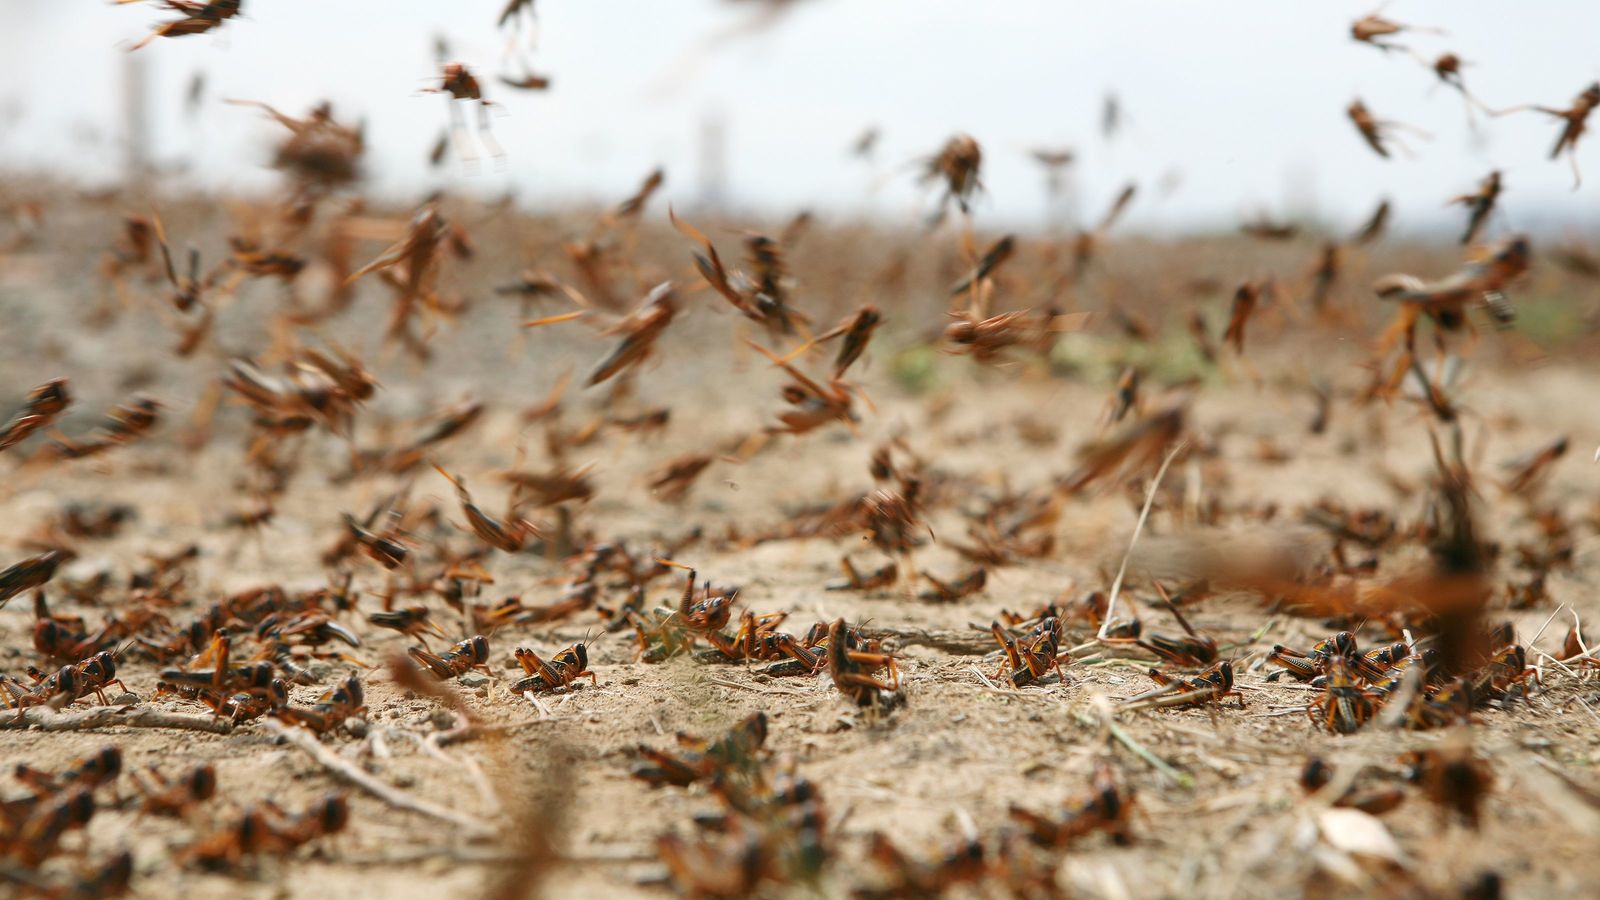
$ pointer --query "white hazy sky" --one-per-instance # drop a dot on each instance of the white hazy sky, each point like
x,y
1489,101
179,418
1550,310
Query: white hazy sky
x,y
1242,99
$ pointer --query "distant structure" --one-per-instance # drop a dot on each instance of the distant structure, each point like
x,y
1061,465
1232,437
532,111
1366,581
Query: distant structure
x,y
1300,193
713,153
135,117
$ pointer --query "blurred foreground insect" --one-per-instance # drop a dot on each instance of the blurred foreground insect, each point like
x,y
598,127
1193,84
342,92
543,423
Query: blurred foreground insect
x,y
703,759
43,405
163,796
267,829
1480,204
31,573
1453,776
639,332
1376,132
1107,807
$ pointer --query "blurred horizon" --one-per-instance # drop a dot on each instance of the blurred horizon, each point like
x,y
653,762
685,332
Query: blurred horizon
x,y
1229,115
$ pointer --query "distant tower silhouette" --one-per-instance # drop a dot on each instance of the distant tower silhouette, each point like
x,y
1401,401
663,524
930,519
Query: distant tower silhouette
x,y
1300,192
713,152
135,117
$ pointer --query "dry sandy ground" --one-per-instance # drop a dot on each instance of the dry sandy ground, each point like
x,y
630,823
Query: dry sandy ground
x,y
1235,823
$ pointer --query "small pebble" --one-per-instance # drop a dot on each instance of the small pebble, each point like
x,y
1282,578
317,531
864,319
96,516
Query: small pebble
x,y
319,669
405,780
474,679
128,699
443,719
356,726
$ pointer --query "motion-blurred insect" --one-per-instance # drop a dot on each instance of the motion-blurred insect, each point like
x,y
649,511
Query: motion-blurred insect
x,y
639,333
1086,246
125,423
509,536
815,405
461,85
864,581
320,153
186,288
1325,275
865,143
1530,469
633,206
1374,227
1447,68
515,8
856,330
43,405
940,591
1372,28
956,165
1055,161
1245,299
1111,116
671,481
761,296
198,18
412,621
386,550
528,82
1445,301
1480,205
1576,117
411,267
992,259
1130,449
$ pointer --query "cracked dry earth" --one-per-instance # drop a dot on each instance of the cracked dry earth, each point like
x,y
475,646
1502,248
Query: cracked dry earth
x,y
1220,814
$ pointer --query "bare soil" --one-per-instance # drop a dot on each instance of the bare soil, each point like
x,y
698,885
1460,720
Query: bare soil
x,y
1233,822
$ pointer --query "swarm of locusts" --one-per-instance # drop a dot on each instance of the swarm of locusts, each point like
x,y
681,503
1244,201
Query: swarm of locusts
x,y
637,552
